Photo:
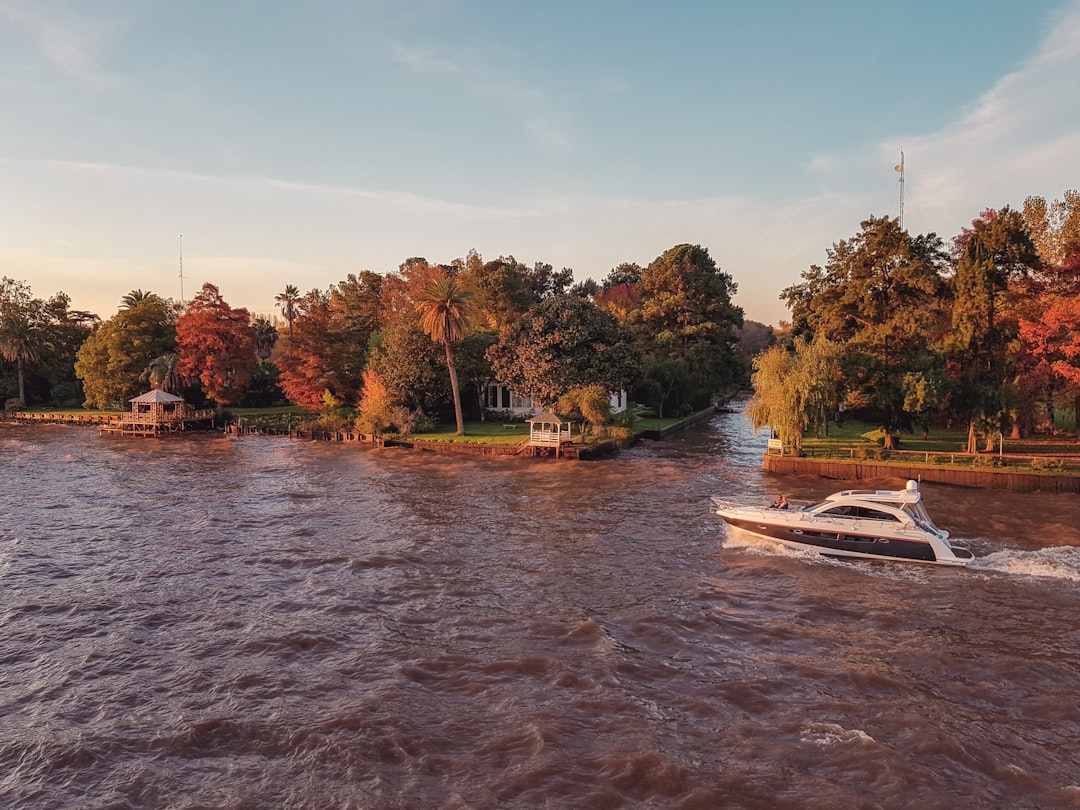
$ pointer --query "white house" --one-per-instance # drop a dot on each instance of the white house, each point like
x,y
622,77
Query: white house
x,y
497,397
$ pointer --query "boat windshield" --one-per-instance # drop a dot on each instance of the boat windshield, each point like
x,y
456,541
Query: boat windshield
x,y
921,517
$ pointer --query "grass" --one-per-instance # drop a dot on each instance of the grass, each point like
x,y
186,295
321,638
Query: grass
x,y
947,447
476,433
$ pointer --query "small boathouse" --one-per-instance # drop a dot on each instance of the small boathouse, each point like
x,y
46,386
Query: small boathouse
x,y
157,413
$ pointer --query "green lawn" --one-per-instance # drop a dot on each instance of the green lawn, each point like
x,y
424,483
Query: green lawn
x,y
477,433
1059,453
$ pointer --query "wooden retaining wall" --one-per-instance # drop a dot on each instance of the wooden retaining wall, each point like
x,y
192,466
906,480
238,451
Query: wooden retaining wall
x,y
856,470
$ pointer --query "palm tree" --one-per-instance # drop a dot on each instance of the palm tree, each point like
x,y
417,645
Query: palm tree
x,y
20,343
134,298
444,311
287,302
163,374
265,335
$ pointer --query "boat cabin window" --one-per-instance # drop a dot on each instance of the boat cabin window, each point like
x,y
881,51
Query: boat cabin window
x,y
874,514
859,512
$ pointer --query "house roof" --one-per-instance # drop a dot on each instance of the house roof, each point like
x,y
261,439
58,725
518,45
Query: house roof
x,y
157,396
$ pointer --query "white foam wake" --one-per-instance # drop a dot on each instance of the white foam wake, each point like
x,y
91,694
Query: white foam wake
x,y
1057,562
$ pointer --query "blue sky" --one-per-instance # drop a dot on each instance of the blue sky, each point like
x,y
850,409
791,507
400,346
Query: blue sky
x,y
295,143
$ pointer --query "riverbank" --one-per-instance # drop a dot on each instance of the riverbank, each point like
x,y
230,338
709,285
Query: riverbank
x,y
576,451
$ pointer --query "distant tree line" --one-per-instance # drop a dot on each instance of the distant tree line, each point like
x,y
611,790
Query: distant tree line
x,y
418,344
907,332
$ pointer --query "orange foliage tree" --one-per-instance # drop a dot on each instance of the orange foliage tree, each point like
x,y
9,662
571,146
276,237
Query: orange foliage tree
x,y
216,346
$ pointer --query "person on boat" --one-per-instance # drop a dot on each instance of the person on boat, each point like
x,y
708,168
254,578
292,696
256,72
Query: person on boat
x,y
780,502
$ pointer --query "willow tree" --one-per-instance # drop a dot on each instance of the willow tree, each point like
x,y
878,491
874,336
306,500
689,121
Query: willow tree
x,y
444,315
795,388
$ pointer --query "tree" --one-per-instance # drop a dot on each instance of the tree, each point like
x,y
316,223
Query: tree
x,y
563,343
796,388
264,335
134,298
993,259
1053,339
21,333
163,374
326,351
444,315
1054,228
472,363
114,362
882,295
216,346
687,313
287,302
409,363
592,403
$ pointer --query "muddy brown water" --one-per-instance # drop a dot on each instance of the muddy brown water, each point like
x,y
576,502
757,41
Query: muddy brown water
x,y
258,622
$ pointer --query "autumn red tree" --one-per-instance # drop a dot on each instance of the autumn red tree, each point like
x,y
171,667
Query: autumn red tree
x,y
216,347
1053,341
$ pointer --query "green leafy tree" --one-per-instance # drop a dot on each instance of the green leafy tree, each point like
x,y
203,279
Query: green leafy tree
x,y
591,403
22,336
444,316
134,298
563,343
163,373
114,362
882,295
687,313
472,364
408,363
216,346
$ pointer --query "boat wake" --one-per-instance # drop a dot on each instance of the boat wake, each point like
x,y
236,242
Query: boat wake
x,y
1057,562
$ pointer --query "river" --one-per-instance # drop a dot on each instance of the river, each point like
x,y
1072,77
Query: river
x,y
252,622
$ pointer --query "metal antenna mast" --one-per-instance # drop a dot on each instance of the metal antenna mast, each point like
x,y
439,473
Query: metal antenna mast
x,y
181,269
900,168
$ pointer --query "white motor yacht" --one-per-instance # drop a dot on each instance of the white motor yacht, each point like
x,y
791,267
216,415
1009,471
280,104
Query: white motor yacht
x,y
871,524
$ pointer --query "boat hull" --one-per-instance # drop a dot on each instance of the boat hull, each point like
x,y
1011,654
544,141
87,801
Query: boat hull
x,y
848,543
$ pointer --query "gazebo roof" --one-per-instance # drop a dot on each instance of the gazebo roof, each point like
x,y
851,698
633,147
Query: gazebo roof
x,y
157,396
549,417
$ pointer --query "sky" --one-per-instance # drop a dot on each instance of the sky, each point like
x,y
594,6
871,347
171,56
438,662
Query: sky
x,y
258,143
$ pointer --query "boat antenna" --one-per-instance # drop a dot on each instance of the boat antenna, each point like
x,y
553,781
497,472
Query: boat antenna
x,y
181,269
900,168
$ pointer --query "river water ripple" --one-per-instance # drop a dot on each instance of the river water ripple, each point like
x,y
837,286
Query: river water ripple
x,y
255,622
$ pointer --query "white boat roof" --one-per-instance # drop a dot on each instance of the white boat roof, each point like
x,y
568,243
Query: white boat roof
x,y
910,494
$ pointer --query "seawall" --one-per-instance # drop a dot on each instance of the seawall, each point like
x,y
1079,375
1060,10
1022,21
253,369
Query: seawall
x,y
857,470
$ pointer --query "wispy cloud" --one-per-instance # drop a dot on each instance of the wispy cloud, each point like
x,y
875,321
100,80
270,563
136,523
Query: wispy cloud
x,y
72,43
1020,138
538,114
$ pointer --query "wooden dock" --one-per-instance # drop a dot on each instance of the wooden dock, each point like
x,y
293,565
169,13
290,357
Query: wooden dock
x,y
129,424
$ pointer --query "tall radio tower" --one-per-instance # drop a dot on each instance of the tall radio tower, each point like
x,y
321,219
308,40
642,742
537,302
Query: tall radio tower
x,y
181,269
900,168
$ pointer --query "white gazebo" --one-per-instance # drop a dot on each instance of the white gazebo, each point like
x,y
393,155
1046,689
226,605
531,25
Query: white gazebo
x,y
549,430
